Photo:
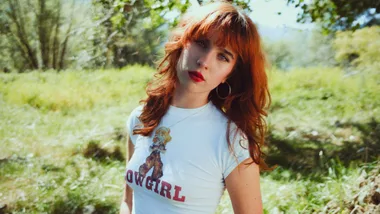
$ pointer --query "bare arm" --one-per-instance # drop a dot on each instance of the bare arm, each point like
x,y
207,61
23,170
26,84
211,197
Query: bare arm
x,y
243,185
126,204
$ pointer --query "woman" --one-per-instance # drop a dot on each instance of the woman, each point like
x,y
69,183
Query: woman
x,y
201,128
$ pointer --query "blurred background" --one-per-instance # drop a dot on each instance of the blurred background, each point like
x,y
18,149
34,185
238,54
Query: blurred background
x,y
72,71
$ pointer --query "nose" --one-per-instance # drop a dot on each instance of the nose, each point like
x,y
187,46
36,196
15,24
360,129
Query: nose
x,y
201,64
204,60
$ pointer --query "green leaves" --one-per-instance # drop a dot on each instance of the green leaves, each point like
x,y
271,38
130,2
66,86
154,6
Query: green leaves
x,y
337,15
358,48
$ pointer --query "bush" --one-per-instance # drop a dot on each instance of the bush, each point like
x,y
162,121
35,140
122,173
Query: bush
x,y
360,48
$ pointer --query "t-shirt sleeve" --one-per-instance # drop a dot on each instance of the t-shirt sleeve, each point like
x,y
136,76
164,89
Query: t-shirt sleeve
x,y
230,160
132,121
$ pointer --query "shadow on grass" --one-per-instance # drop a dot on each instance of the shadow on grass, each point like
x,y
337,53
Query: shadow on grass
x,y
95,151
13,159
75,204
311,155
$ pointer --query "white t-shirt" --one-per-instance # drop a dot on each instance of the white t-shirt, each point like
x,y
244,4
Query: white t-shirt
x,y
181,167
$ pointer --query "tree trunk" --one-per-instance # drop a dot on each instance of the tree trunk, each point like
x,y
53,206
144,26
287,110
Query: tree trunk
x,y
56,37
109,47
65,42
27,52
44,33
63,50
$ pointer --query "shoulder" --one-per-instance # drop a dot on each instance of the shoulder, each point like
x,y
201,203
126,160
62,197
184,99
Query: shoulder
x,y
137,111
133,117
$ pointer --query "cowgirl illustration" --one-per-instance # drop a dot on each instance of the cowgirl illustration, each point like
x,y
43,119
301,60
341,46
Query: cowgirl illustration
x,y
160,139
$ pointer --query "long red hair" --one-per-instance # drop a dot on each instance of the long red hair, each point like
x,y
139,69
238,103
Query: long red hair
x,y
249,98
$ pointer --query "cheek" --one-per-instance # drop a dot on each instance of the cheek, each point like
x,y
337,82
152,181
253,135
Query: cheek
x,y
180,62
224,72
190,54
183,59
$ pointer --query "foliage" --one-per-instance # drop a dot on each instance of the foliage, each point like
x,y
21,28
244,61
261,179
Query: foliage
x,y
301,49
129,31
37,33
134,31
339,189
244,4
56,34
360,48
316,49
322,95
72,90
355,51
279,54
339,14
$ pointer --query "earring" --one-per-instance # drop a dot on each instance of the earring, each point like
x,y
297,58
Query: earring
x,y
229,91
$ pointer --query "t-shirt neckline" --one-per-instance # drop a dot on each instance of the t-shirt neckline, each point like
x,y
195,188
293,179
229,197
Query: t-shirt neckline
x,y
183,111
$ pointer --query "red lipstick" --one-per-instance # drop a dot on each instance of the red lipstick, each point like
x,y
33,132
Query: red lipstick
x,y
196,76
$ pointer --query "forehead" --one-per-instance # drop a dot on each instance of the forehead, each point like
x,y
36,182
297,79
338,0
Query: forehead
x,y
218,39
226,28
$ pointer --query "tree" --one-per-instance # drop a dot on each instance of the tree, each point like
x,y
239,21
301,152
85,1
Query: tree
x,y
337,15
37,31
134,30
244,4
360,48
279,54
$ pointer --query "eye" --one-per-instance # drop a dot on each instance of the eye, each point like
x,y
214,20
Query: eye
x,y
201,43
223,57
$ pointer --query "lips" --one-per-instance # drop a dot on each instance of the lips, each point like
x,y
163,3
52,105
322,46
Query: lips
x,y
196,76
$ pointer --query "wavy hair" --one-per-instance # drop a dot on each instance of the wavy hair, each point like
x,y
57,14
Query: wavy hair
x,y
249,98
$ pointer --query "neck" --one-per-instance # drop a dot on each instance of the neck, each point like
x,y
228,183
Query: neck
x,y
185,99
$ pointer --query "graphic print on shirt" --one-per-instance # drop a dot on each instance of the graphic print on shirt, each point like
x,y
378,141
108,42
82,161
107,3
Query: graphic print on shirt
x,y
160,139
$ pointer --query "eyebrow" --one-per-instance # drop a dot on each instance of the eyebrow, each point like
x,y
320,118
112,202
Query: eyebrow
x,y
224,50
228,53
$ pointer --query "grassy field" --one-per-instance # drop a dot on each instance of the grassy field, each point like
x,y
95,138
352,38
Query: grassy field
x,y
62,141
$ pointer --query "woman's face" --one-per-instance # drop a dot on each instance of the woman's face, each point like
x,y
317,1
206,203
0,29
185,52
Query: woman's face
x,y
202,65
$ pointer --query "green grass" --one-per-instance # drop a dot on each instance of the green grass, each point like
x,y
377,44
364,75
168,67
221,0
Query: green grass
x,y
336,191
51,123
315,98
